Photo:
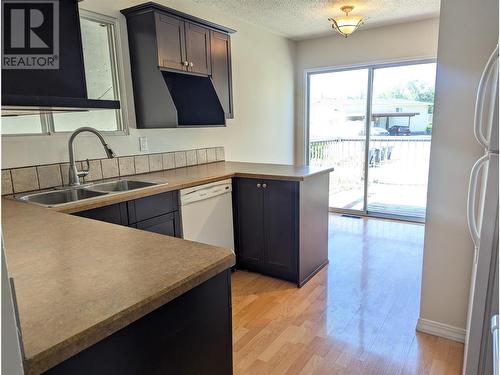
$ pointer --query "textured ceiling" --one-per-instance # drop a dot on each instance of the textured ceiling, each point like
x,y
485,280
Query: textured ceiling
x,y
302,19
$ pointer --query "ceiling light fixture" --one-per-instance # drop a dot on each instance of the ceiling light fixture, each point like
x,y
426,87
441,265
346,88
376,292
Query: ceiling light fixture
x,y
346,25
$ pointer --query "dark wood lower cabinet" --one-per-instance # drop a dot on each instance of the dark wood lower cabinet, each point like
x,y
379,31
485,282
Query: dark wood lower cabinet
x,y
189,335
168,224
155,205
281,224
281,227
266,216
248,206
114,213
157,213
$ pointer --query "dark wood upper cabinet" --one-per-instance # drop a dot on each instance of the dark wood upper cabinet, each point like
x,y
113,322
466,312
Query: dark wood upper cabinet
x,y
171,42
182,45
164,42
198,49
220,45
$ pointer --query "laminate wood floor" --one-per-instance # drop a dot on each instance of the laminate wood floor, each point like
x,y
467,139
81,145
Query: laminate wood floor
x,y
357,316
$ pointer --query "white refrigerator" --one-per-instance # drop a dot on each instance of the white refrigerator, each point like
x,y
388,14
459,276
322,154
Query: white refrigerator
x,y
481,345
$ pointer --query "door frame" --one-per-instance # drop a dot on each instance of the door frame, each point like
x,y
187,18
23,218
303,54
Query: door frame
x,y
371,68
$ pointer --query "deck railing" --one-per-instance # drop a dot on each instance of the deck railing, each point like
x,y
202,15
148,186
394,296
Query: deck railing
x,y
397,177
351,150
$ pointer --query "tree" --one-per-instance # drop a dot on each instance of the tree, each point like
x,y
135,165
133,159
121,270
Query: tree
x,y
413,90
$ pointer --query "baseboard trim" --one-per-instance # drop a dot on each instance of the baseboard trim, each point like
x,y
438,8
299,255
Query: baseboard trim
x,y
440,329
300,284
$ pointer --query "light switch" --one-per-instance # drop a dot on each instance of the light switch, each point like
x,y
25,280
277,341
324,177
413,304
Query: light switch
x,y
143,144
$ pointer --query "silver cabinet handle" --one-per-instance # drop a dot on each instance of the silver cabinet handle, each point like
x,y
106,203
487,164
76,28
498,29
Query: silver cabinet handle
x,y
258,185
191,64
264,186
186,63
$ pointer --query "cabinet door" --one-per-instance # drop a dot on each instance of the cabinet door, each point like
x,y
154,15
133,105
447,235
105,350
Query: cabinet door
x,y
249,200
115,214
170,38
165,224
220,49
281,204
198,49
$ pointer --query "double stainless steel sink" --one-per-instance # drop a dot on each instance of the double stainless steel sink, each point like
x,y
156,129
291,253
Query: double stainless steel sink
x,y
73,194
120,185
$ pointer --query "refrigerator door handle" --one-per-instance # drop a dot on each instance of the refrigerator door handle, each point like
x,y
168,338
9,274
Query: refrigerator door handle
x,y
471,199
480,98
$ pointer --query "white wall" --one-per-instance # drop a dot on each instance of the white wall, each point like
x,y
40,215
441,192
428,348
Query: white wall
x,y
408,41
448,251
263,127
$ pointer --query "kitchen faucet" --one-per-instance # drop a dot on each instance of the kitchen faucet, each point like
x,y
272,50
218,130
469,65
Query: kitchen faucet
x,y
74,173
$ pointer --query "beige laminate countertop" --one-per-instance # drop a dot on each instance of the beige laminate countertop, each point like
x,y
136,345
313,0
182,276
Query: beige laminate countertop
x,y
79,280
181,178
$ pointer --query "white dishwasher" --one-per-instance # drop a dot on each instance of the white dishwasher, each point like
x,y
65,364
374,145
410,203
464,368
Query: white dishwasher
x,y
207,214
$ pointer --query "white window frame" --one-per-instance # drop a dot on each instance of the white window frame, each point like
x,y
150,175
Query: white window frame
x,y
47,120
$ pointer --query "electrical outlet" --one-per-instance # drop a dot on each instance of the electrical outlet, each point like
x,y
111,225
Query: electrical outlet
x,y
143,144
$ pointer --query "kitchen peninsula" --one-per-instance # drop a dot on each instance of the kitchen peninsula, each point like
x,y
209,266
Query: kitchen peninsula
x,y
96,297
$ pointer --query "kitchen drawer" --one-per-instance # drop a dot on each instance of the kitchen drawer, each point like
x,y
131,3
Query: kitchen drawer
x,y
154,205
168,224
115,214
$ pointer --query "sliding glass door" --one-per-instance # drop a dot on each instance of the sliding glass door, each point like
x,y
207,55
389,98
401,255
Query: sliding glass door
x,y
402,105
337,101
374,126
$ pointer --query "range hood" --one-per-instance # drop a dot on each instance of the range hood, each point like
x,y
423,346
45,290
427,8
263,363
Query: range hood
x,y
170,100
57,81
195,99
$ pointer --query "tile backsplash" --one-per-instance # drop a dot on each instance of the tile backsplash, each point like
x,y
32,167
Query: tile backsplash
x,y
24,179
49,175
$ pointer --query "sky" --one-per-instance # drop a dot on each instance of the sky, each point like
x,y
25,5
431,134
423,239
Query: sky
x,y
343,86
353,83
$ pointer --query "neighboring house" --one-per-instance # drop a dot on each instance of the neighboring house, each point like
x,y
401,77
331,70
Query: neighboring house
x,y
345,117
411,113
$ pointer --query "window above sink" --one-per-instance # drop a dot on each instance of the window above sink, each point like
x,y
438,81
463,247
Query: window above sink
x,y
103,71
